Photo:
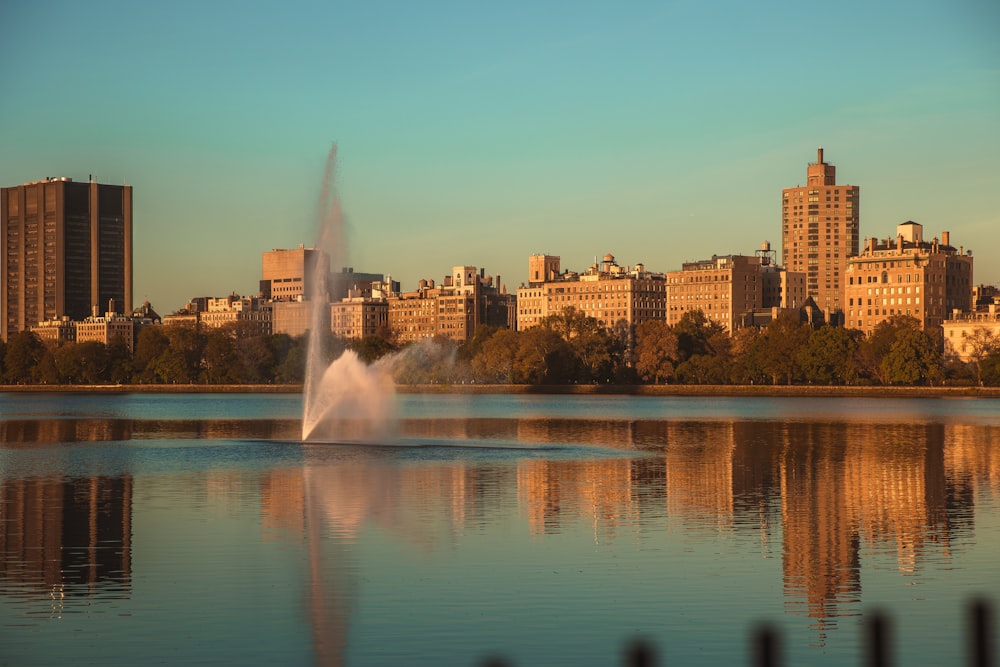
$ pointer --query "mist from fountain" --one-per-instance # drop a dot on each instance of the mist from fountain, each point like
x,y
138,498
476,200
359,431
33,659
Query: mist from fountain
x,y
343,400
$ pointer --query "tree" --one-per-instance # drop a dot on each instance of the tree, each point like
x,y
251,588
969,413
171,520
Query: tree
x,y
219,362
912,359
980,343
82,363
372,348
704,369
828,357
544,357
151,344
597,352
255,361
694,332
989,369
873,349
496,357
119,361
656,351
290,359
745,363
778,347
180,362
570,323
23,359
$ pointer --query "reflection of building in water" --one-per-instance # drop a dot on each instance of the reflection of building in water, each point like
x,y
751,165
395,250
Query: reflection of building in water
x,y
599,490
884,484
820,528
966,459
69,536
896,479
282,498
756,482
699,470
38,431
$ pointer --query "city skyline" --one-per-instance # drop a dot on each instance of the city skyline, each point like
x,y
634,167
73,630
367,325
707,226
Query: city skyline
x,y
662,134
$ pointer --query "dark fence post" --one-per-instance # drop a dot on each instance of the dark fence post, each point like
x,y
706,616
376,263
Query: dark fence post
x,y
766,647
980,634
877,641
640,653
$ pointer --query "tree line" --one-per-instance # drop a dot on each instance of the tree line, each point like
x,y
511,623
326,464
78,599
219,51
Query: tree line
x,y
566,348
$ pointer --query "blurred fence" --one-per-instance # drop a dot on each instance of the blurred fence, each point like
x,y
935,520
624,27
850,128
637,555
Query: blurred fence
x,y
765,650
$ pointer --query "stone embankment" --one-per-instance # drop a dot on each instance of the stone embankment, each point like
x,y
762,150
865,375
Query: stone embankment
x,y
589,389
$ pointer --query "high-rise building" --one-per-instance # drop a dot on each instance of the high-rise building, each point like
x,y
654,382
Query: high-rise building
x,y
819,231
67,247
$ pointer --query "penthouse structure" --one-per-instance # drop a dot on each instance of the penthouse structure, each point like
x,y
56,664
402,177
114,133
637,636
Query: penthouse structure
x,y
819,231
67,246
610,293
906,275
464,301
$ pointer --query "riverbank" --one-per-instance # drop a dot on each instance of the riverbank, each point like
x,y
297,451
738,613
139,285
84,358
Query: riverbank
x,y
609,390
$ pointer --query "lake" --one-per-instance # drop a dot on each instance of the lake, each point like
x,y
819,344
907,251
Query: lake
x,y
197,529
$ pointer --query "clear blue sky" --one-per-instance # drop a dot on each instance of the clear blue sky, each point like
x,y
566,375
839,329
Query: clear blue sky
x,y
482,132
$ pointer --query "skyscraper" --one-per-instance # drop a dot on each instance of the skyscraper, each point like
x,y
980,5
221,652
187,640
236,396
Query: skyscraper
x,y
819,231
67,247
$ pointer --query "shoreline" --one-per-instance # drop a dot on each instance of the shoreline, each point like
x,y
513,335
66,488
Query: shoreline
x,y
581,390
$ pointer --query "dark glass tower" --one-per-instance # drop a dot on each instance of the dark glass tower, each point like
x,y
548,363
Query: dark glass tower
x,y
67,248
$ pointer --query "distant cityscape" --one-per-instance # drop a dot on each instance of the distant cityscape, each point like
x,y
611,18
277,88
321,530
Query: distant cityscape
x,y
67,277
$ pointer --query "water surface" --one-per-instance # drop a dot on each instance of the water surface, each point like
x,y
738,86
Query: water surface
x,y
196,529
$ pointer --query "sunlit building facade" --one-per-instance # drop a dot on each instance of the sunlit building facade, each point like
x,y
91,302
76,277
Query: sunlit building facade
x,y
906,275
723,288
968,336
612,294
466,299
819,231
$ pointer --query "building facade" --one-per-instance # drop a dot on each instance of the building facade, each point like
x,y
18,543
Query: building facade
x,y
58,330
819,231
358,317
970,335
724,288
67,246
466,300
250,314
614,295
907,275
287,275
106,329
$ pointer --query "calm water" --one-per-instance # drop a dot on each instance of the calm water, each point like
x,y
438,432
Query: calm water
x,y
197,530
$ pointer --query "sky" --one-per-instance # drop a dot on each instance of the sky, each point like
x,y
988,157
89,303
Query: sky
x,y
480,133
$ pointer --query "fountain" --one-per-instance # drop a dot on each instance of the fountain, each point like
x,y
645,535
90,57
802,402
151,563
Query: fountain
x,y
344,401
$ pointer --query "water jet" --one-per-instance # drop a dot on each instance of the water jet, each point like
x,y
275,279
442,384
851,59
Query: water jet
x,y
343,400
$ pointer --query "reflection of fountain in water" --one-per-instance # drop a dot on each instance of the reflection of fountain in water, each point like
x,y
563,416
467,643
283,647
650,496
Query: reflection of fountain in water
x,y
343,401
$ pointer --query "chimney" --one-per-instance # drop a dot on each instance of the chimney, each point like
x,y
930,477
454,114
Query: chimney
x,y
819,155
945,238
